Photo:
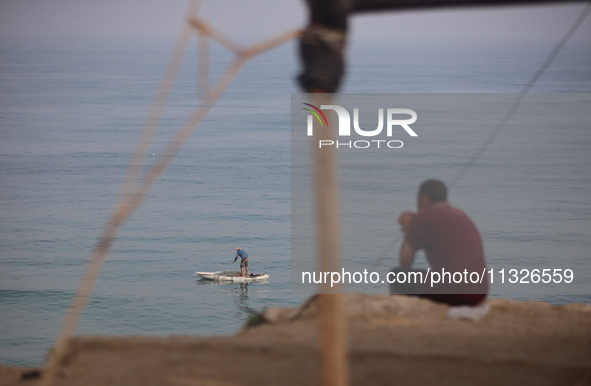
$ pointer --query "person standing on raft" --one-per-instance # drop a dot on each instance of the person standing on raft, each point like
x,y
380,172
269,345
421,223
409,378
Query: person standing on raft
x,y
453,248
243,260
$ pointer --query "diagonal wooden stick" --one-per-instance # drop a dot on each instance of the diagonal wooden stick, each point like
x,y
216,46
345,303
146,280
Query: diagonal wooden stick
x,y
131,198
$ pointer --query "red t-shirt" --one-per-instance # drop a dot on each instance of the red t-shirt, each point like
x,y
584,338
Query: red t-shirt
x,y
451,242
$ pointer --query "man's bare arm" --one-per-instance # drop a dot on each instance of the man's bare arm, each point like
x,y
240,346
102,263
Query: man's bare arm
x,y
407,252
407,255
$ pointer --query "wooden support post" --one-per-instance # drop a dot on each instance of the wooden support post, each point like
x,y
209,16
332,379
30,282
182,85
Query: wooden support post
x,y
332,317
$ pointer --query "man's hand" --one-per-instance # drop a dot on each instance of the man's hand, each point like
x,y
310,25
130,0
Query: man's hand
x,y
404,221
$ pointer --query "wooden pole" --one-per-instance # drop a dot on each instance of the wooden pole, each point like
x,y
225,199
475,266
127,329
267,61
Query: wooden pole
x,y
359,6
332,318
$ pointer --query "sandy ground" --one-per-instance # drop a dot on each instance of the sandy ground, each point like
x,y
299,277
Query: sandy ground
x,y
392,340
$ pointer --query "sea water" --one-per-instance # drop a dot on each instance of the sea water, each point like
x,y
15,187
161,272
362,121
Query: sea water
x,y
71,113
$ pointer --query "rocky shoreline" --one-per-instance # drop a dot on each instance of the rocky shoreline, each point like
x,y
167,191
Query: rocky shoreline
x,y
392,340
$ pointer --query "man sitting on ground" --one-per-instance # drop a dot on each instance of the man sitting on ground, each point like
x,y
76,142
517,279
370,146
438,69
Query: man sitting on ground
x,y
451,243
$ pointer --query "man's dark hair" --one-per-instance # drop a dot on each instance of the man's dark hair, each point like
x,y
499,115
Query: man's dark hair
x,y
435,190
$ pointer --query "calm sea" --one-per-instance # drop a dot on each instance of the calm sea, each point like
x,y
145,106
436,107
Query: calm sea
x,y
71,113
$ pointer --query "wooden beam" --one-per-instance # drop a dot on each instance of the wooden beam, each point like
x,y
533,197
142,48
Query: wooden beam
x,y
359,6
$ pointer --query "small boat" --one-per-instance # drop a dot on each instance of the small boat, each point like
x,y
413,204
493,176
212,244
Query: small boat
x,y
232,276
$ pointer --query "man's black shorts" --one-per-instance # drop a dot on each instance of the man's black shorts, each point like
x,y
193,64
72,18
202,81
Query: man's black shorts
x,y
244,262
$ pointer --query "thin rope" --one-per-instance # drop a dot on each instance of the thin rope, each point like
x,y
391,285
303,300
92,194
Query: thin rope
x,y
134,191
522,94
514,107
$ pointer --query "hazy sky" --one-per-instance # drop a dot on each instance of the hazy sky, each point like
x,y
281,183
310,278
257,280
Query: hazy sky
x,y
254,19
